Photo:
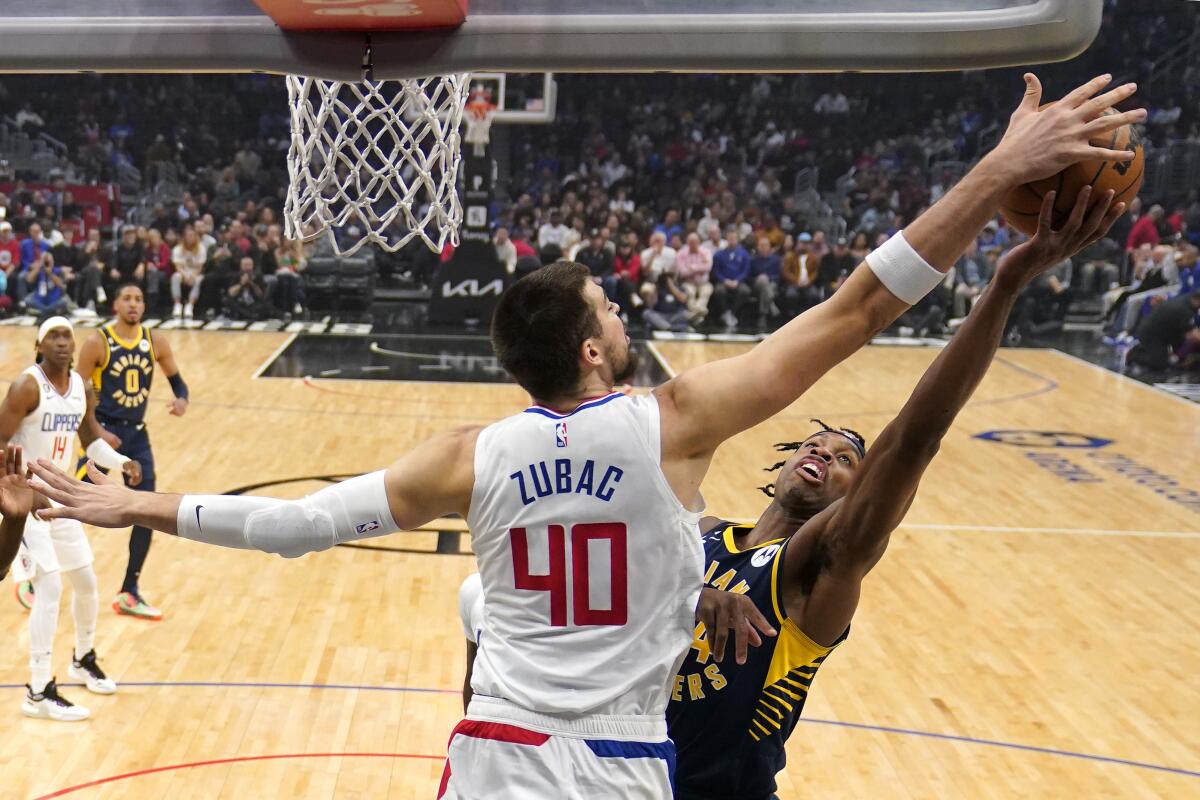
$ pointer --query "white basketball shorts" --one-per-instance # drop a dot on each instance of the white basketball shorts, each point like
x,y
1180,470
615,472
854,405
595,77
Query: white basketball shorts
x,y
57,545
497,761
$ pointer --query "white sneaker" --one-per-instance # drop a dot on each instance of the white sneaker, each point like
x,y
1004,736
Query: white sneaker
x,y
298,310
187,311
49,704
177,311
87,670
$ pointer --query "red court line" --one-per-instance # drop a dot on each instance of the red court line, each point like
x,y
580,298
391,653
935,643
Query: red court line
x,y
240,759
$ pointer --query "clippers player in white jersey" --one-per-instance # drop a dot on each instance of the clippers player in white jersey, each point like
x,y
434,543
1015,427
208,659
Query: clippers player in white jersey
x,y
583,508
44,409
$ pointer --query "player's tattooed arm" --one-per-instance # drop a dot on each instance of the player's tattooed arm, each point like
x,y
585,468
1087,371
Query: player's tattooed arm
x,y
847,539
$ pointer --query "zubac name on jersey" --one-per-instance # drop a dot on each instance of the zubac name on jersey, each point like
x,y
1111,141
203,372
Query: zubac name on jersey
x,y
122,381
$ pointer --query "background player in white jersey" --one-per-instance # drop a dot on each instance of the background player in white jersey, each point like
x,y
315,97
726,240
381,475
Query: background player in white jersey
x,y
44,409
583,509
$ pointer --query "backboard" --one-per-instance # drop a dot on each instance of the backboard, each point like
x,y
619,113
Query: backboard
x,y
540,35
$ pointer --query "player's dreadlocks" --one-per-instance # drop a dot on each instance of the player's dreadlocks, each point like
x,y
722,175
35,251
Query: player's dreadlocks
x,y
857,439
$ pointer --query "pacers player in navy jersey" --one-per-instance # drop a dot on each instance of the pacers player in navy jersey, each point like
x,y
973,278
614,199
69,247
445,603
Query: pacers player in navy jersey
x,y
802,564
120,359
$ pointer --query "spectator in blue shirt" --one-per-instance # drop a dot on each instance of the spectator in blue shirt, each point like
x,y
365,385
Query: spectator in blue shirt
x,y
33,247
730,276
46,287
764,273
670,225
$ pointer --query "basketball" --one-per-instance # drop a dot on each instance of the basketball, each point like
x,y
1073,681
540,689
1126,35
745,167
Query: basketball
x,y
1023,203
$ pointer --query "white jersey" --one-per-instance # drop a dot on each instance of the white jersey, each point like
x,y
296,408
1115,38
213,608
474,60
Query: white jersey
x,y
591,568
49,430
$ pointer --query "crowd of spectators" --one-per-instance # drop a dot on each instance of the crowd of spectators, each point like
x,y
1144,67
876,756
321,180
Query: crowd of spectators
x,y
699,202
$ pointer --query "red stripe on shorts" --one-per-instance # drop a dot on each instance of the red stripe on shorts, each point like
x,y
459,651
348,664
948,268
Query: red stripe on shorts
x,y
496,731
500,732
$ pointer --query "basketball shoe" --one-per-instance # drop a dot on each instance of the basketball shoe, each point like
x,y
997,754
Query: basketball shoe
x,y
87,670
49,704
131,605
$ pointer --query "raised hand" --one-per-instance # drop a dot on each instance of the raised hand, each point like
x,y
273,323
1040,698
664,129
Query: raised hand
x,y
104,503
1049,247
1040,142
721,612
16,498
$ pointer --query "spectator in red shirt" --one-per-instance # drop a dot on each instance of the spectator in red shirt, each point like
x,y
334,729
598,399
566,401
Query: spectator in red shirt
x,y
1145,230
627,269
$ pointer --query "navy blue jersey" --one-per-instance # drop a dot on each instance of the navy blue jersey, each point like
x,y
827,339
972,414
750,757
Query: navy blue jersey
x,y
729,722
122,381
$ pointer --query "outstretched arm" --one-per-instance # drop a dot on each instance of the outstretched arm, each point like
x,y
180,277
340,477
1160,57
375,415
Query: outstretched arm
x,y
707,405
433,479
166,359
16,501
848,538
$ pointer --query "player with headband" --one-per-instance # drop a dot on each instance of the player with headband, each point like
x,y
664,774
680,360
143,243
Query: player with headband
x,y
46,406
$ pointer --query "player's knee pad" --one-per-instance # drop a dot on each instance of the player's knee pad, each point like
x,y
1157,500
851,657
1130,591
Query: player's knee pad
x,y
291,529
47,588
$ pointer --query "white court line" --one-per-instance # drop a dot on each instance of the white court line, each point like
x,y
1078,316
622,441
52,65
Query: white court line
x,y
1134,381
1058,531
271,358
661,359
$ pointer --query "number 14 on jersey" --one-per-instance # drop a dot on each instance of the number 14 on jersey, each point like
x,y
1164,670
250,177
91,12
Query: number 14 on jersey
x,y
576,585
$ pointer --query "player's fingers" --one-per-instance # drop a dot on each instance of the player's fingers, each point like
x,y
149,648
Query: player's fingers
x,y
720,635
10,466
55,512
1046,213
1108,122
742,632
1090,109
94,474
1033,93
1096,215
1071,227
759,621
1112,216
18,459
51,475
1091,153
1079,95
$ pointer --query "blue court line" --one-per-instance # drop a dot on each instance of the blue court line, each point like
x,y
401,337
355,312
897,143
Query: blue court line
x,y
1049,751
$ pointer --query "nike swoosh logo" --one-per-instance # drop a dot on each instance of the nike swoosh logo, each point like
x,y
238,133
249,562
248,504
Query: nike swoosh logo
x,y
198,525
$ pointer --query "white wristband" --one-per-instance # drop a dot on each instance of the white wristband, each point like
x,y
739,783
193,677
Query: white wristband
x,y
102,453
902,270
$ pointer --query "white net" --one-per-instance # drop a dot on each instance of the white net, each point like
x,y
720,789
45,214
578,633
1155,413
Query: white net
x,y
375,161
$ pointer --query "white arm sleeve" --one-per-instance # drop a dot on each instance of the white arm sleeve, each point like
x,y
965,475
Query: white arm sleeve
x,y
902,270
103,454
353,509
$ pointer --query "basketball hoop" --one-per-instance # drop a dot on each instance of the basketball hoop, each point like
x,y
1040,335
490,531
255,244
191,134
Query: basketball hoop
x,y
480,114
375,161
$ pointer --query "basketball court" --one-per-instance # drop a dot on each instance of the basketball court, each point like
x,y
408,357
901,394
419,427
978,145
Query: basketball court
x,y
1029,634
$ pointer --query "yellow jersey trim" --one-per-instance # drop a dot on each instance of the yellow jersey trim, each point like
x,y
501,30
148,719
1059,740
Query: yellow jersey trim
x,y
99,370
732,547
112,331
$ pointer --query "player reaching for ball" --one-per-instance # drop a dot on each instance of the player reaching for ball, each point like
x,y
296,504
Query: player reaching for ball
x,y
583,509
803,563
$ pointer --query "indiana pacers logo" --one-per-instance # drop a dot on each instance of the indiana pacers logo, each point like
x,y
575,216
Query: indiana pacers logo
x,y
131,372
1020,438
